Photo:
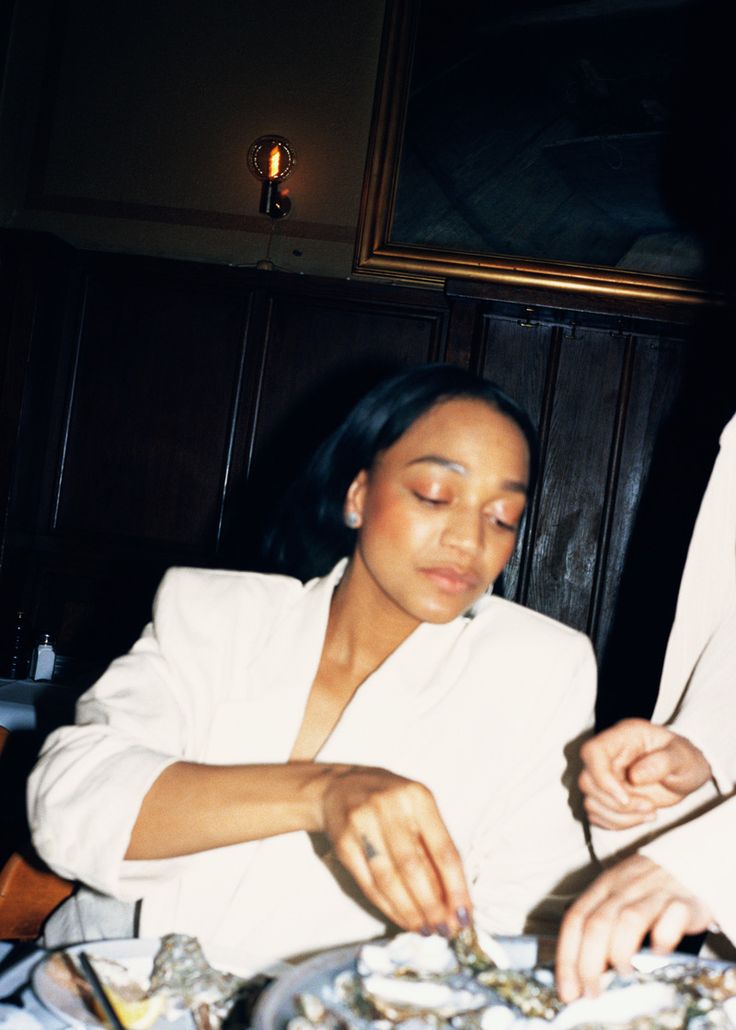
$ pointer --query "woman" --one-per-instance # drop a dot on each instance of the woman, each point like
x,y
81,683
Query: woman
x,y
278,767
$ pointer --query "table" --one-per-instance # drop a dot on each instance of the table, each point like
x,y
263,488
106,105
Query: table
x,y
19,1007
36,704
18,1001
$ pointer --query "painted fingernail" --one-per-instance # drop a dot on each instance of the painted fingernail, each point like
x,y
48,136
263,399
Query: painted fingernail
x,y
425,931
443,929
462,915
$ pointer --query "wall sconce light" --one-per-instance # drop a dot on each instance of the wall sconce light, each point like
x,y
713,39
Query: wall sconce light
x,y
271,159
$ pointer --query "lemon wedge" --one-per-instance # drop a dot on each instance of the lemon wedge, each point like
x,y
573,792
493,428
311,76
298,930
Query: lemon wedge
x,y
138,1013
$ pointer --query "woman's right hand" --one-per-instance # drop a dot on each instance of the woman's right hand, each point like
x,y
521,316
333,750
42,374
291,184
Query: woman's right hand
x,y
388,832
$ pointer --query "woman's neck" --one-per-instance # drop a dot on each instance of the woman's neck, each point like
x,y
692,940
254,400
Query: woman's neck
x,y
364,628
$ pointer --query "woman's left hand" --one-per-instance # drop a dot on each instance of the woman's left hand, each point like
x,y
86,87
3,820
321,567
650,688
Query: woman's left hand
x,y
388,832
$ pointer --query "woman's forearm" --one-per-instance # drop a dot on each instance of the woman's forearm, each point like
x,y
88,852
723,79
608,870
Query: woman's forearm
x,y
386,830
193,807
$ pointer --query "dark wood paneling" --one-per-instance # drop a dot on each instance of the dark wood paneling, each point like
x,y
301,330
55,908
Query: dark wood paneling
x,y
154,411
321,352
157,376
629,411
337,351
652,380
164,415
575,463
522,360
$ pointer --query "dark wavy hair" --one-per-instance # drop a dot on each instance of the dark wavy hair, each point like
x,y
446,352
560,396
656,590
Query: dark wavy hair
x,y
309,534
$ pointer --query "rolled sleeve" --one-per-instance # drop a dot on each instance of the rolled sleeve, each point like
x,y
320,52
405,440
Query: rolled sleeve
x,y
699,856
150,709
706,714
77,835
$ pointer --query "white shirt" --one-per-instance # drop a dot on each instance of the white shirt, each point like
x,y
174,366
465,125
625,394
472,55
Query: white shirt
x,y
697,698
477,709
696,693
700,855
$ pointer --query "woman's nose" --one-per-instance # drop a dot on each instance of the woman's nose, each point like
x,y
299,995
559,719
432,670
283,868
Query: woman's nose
x,y
463,529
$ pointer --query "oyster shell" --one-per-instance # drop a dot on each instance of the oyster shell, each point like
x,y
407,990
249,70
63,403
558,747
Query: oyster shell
x,y
409,954
428,983
181,971
398,998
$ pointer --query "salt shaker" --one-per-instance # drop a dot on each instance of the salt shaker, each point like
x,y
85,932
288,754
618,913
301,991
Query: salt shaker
x,y
42,659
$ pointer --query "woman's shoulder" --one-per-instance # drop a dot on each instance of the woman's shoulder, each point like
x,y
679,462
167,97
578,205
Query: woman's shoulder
x,y
209,584
525,650
525,632
201,596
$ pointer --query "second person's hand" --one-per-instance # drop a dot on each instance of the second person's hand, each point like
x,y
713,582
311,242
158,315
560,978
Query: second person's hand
x,y
607,924
634,768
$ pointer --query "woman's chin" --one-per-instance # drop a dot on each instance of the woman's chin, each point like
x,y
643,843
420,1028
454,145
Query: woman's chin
x,y
447,611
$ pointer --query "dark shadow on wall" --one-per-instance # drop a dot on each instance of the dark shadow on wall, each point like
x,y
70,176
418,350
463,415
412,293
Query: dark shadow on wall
x,y
284,454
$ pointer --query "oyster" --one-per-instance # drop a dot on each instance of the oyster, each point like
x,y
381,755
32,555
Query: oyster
x,y
477,951
429,983
181,971
411,976
409,954
399,998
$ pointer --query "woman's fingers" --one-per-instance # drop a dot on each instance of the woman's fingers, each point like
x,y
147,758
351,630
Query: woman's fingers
x,y
444,892
449,866
388,832
371,864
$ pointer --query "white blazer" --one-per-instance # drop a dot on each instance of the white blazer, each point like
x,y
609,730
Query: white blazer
x,y
697,693
478,709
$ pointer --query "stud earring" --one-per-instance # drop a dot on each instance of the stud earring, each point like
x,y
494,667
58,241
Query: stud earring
x,y
352,519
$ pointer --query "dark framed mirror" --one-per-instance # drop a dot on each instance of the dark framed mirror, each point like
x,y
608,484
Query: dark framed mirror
x,y
555,143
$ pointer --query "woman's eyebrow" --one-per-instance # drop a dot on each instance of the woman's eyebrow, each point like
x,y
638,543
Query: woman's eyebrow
x,y
437,459
514,485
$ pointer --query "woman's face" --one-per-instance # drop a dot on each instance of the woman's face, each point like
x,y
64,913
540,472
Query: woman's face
x,y
439,511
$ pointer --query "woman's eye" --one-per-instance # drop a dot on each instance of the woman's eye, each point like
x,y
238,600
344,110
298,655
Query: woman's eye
x,y
510,527
425,499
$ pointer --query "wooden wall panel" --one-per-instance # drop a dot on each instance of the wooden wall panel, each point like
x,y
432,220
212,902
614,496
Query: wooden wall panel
x,y
652,380
155,389
321,353
606,532
521,359
166,406
320,356
576,451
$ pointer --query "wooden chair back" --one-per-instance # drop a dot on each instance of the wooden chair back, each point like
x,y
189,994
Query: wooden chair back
x,y
29,891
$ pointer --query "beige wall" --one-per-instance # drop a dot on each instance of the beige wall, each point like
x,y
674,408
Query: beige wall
x,y
146,110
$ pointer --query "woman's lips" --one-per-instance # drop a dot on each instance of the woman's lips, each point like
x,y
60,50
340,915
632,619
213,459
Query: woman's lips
x,y
451,581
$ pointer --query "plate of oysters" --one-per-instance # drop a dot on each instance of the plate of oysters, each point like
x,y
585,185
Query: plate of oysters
x,y
478,982
151,984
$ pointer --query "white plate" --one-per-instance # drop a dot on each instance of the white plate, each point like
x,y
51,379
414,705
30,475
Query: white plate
x,y
276,1006
137,954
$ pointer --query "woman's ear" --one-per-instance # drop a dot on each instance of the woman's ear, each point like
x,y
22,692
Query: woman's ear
x,y
355,500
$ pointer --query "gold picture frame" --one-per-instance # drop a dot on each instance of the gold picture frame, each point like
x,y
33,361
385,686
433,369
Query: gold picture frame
x,y
380,254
